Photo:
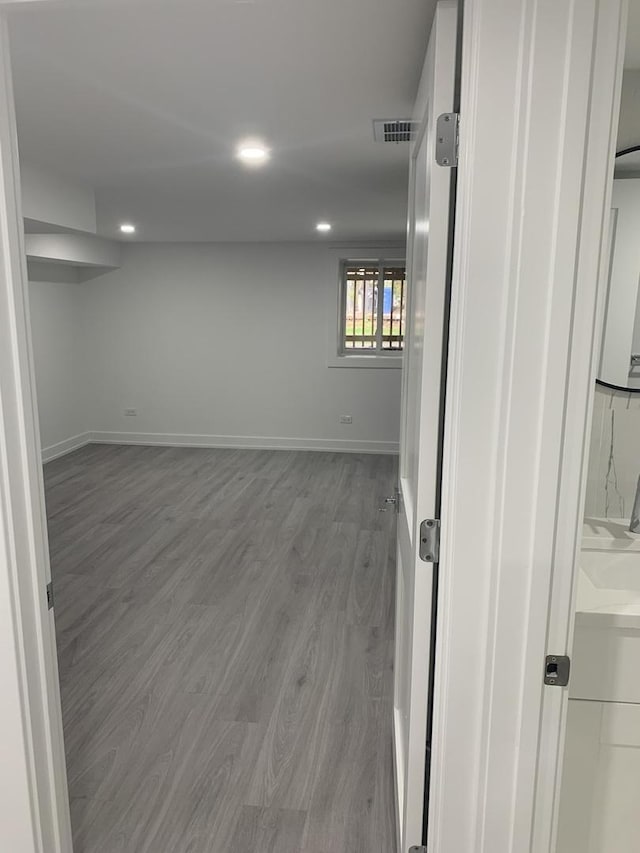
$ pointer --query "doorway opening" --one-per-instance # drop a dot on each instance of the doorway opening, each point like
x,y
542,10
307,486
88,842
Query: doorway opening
x,y
220,423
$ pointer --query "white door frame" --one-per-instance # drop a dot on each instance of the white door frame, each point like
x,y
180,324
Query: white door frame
x,y
532,195
539,99
592,268
34,807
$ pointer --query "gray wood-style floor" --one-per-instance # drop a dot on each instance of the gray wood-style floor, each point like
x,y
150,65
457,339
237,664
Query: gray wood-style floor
x,y
224,625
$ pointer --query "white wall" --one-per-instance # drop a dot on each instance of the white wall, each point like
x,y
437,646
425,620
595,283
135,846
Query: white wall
x,y
221,343
212,344
51,199
58,346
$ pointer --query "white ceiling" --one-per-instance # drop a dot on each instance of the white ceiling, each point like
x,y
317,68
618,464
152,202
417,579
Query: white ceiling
x,y
146,100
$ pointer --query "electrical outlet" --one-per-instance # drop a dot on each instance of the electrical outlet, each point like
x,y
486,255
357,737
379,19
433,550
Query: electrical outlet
x,y
130,413
346,419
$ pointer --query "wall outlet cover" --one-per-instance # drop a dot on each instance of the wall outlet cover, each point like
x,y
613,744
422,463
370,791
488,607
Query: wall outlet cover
x,y
346,419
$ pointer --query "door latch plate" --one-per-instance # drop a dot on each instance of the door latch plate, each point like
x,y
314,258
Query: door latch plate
x,y
556,670
430,540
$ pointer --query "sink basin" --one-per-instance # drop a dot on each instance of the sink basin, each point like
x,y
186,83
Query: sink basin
x,y
609,580
609,588
609,534
606,648
615,570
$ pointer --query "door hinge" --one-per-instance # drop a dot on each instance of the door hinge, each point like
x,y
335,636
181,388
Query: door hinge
x,y
447,139
557,669
50,595
417,850
430,540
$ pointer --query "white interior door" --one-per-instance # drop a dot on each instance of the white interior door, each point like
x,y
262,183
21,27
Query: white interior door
x,y
427,267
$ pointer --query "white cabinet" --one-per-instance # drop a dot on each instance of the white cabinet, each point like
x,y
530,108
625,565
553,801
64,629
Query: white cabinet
x,y
600,792
605,663
600,797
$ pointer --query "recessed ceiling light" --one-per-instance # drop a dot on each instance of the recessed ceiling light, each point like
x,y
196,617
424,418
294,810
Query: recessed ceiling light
x,y
323,226
252,152
127,228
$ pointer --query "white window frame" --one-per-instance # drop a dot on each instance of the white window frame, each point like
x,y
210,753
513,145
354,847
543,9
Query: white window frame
x,y
339,356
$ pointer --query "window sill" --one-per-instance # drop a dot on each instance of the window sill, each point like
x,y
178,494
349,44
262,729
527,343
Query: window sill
x,y
371,361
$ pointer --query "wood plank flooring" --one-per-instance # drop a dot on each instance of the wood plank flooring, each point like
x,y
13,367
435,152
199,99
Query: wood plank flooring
x,y
224,626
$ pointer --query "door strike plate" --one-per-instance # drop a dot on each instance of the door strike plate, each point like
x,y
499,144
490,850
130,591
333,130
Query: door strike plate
x,y
556,670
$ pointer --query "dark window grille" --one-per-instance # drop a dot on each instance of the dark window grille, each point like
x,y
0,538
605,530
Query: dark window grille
x,y
373,307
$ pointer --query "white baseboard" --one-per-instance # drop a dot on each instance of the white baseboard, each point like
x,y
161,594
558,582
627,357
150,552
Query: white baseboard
x,y
66,446
249,442
236,442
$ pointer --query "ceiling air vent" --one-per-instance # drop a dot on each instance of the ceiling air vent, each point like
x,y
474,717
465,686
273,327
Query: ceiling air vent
x,y
393,130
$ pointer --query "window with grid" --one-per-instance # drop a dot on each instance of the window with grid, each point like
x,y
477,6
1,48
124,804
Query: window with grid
x,y
372,307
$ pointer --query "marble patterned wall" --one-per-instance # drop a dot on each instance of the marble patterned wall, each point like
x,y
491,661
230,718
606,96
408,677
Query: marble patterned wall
x,y
614,454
